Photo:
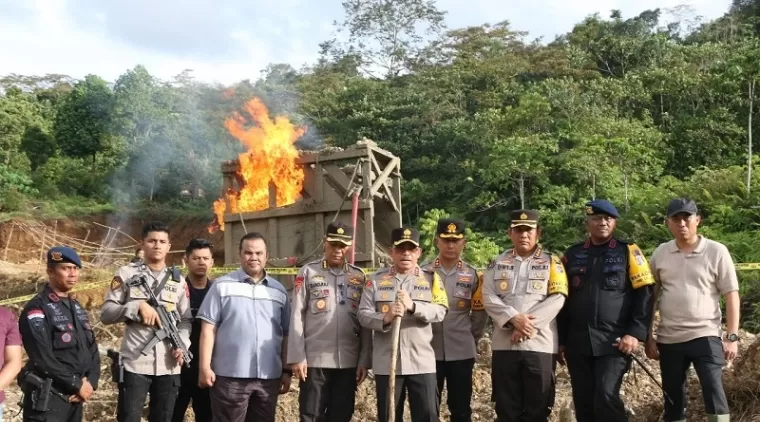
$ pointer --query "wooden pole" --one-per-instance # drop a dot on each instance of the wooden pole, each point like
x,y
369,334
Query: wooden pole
x,y
42,251
395,331
84,242
55,230
8,243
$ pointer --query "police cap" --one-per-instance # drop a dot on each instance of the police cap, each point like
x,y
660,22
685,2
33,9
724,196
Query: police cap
x,y
339,232
528,218
62,254
450,228
405,235
601,206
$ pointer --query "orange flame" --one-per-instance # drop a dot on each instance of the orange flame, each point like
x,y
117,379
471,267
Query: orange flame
x,y
271,158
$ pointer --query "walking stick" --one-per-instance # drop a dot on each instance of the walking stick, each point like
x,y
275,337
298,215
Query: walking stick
x,y
395,330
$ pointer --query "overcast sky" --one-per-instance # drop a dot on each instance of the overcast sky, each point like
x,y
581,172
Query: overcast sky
x,y
230,40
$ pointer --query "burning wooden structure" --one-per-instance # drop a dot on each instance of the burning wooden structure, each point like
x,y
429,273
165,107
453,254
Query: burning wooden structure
x,y
359,185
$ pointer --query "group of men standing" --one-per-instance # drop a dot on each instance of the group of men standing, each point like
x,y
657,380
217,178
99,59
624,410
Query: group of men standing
x,y
589,309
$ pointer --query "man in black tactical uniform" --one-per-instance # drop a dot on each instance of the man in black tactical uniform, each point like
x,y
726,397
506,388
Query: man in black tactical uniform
x,y
57,336
605,316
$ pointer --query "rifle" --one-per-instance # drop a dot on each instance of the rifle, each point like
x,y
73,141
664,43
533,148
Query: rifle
x,y
646,369
168,320
42,390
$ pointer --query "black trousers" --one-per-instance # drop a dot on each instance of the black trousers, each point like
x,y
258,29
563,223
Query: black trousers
x,y
134,389
244,399
706,353
59,410
457,375
189,391
421,390
327,395
523,385
596,382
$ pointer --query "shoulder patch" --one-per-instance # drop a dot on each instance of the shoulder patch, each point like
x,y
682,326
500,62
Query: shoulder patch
x,y
116,283
638,268
557,277
36,319
439,292
491,264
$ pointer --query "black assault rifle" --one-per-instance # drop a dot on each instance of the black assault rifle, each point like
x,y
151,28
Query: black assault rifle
x,y
168,320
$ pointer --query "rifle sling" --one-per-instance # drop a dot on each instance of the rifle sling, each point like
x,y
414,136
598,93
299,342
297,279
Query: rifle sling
x,y
162,284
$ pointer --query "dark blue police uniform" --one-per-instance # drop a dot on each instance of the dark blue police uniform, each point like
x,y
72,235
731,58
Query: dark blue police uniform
x,y
610,295
58,337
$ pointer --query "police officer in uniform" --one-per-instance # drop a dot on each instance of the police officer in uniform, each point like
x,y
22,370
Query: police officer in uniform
x,y
328,350
419,298
606,314
455,339
158,372
524,289
58,338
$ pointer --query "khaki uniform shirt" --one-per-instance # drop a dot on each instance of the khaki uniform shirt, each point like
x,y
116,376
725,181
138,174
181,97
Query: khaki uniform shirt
x,y
466,317
415,351
324,329
122,305
536,285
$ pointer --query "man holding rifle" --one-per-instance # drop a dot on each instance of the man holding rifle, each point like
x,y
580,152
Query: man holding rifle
x,y
419,299
63,368
155,371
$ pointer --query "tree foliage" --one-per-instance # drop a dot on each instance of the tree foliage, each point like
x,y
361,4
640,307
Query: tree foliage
x,y
484,120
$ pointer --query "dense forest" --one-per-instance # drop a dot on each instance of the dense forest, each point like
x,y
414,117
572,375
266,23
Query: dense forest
x,y
485,119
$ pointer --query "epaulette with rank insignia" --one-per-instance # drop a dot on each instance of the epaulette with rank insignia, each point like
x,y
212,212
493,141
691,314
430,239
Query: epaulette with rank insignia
x,y
176,275
491,264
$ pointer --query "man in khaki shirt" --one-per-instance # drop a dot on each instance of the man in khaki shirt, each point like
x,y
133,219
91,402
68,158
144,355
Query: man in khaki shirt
x,y
524,290
328,350
157,372
455,339
419,298
692,272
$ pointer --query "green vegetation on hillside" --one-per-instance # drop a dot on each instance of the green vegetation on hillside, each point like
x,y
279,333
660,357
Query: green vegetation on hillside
x,y
485,120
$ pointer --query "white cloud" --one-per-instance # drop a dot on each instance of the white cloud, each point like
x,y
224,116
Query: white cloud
x,y
237,39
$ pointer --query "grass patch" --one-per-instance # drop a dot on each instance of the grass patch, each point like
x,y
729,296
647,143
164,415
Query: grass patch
x,y
26,207
65,206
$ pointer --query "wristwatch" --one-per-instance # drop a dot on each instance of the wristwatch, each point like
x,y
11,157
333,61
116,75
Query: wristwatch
x,y
289,372
732,337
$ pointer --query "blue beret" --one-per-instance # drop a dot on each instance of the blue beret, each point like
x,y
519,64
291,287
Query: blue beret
x,y
61,254
601,206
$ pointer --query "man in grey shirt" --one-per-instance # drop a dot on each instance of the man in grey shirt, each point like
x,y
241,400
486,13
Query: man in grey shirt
x,y
692,272
244,335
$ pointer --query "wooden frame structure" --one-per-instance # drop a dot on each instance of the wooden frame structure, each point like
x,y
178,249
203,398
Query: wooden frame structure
x,y
294,232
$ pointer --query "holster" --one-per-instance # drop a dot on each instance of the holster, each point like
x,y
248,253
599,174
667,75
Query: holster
x,y
117,366
39,389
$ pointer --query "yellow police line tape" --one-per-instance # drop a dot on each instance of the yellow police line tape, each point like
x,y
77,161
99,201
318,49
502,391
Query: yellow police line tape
x,y
273,271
